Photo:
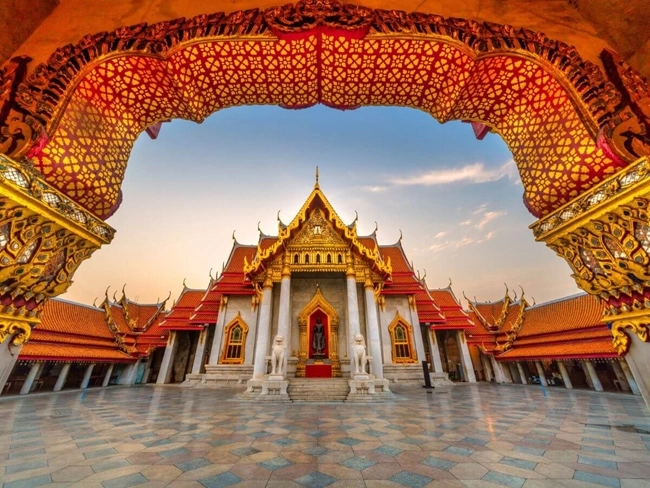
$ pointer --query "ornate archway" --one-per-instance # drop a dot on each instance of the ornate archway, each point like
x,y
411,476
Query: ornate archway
x,y
68,127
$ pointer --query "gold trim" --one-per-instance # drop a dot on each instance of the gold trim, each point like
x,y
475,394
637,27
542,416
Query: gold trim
x,y
238,320
17,327
399,320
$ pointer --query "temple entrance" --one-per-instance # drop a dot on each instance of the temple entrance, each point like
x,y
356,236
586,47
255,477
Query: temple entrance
x,y
318,364
319,324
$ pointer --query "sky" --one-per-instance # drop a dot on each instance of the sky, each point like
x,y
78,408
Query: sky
x,y
457,201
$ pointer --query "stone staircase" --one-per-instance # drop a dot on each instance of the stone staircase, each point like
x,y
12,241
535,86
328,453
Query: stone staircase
x,y
318,389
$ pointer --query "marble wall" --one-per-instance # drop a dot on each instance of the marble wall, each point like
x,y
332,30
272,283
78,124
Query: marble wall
x,y
242,305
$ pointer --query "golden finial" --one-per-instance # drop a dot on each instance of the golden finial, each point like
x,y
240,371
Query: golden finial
x,y
424,275
258,227
419,279
184,286
534,302
400,236
106,292
316,185
376,228
114,297
95,302
465,296
162,305
356,217
522,291
233,236
507,291
515,298
223,266
210,274
449,285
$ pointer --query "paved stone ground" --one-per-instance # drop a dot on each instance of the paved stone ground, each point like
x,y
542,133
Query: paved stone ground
x,y
485,435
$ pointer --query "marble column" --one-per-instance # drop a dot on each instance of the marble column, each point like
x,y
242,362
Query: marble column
x,y
107,375
147,369
215,351
514,374
284,312
8,358
263,329
487,370
167,364
629,377
540,373
354,326
565,374
86,380
63,375
591,371
435,351
372,326
465,357
620,375
200,352
499,377
29,381
522,374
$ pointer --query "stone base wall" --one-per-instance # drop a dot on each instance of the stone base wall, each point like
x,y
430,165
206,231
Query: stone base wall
x,y
221,375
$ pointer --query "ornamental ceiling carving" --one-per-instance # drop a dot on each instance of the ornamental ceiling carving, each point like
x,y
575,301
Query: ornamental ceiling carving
x,y
568,127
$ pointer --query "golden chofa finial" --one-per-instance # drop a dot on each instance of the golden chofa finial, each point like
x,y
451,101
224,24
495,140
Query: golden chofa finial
x,y
210,274
376,228
233,236
316,185
184,285
449,285
258,227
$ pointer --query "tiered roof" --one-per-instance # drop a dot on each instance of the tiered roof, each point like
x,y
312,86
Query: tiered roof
x,y
568,328
178,317
455,316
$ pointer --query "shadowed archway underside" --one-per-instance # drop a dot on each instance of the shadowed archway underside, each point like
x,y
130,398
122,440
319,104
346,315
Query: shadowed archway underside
x,y
92,100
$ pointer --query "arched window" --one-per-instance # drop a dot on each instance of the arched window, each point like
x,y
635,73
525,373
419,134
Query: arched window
x,y
234,347
401,335
340,259
329,259
306,258
318,258
296,259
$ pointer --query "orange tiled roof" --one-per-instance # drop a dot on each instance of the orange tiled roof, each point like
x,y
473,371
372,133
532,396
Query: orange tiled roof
x,y
72,352
570,313
73,318
455,316
592,349
179,316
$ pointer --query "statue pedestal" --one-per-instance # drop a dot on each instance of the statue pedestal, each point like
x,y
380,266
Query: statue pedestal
x,y
274,389
362,389
275,377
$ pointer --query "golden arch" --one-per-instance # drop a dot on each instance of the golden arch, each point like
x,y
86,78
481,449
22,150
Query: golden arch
x,y
234,341
82,111
318,302
401,338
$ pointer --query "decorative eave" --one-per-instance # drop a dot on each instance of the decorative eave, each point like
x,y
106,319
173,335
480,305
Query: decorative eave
x,y
498,323
286,233
511,336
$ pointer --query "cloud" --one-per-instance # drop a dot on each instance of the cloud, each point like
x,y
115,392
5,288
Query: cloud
x,y
471,173
466,222
439,235
462,242
487,218
375,188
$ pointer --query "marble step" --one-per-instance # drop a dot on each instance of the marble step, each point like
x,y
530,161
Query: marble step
x,y
318,389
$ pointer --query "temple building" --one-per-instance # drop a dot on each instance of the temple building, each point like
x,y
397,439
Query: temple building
x,y
318,301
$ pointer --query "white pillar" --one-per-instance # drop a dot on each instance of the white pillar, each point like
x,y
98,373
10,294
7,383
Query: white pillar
x,y
514,374
522,374
263,330
86,380
200,351
593,375
147,369
284,313
465,357
487,370
29,381
372,326
499,377
620,375
215,352
134,372
565,375
354,327
435,352
540,373
107,375
167,364
8,358
629,377
63,375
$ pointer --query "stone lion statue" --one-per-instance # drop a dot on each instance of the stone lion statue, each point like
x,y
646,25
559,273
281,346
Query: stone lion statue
x,y
277,355
359,354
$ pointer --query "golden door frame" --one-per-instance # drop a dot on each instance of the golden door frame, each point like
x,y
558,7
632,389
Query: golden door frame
x,y
318,302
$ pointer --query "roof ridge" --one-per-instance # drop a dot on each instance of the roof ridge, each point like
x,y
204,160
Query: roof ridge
x,y
97,309
558,300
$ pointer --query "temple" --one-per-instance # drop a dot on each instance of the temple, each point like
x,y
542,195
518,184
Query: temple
x,y
319,302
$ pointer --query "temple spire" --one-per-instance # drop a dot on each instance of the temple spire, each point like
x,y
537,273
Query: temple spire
x,y
316,185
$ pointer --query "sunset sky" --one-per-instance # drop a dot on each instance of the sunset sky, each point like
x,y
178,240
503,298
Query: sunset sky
x,y
458,201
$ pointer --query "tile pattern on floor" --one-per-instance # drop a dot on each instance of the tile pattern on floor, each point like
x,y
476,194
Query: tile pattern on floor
x,y
476,435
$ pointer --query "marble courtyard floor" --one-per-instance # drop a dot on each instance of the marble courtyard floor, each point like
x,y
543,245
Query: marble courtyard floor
x,y
479,435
